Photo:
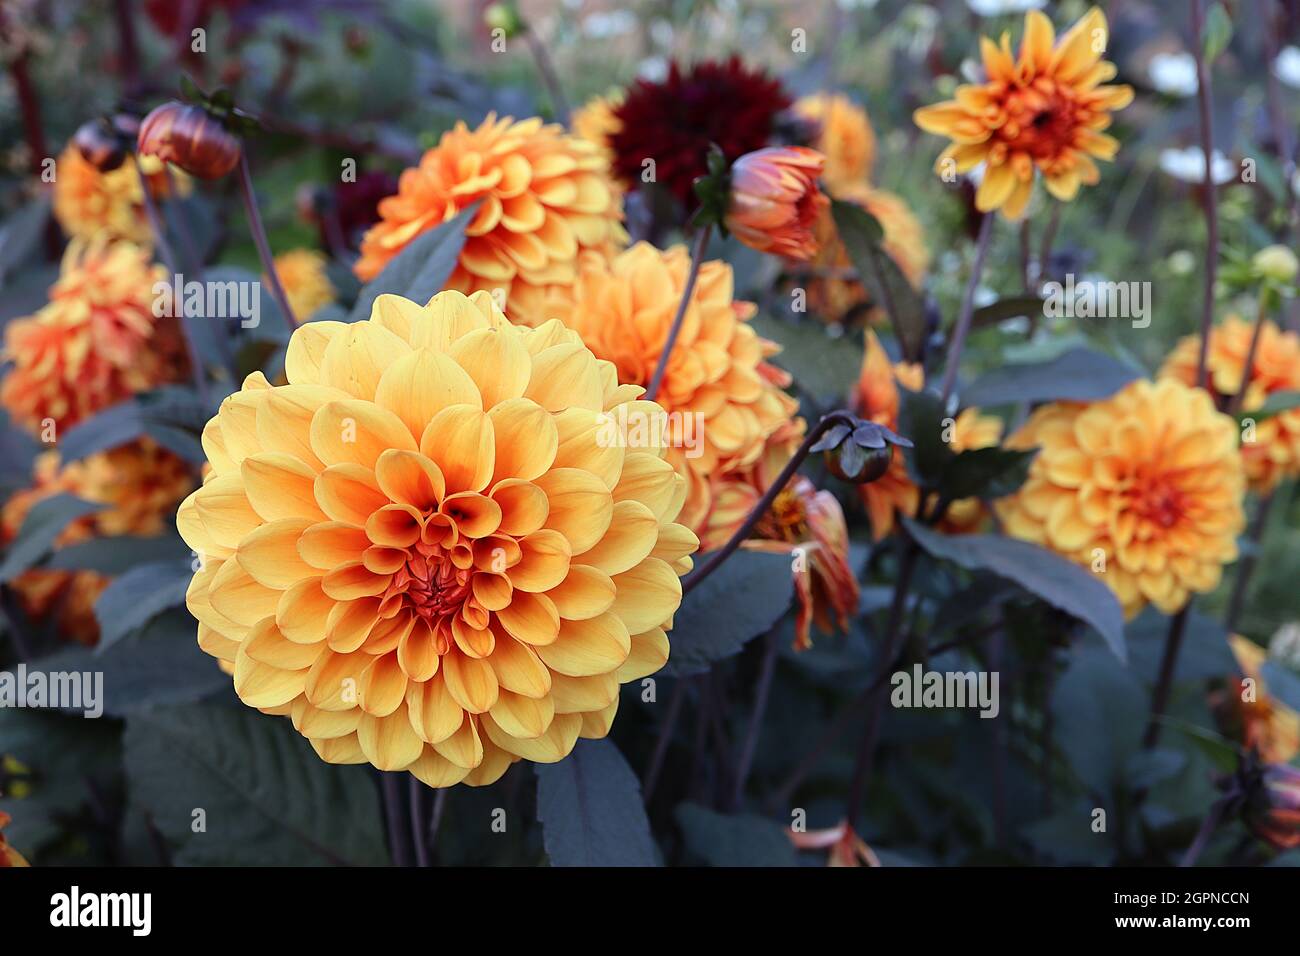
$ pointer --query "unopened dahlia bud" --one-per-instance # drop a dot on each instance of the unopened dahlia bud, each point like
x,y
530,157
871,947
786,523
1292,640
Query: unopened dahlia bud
x,y
1277,263
775,200
105,142
1272,808
189,137
860,452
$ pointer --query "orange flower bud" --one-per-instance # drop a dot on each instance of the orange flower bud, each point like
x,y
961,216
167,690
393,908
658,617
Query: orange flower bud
x,y
775,200
188,137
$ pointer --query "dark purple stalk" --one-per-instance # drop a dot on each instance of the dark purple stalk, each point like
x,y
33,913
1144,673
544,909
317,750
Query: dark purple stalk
x,y
263,246
1203,102
697,259
962,328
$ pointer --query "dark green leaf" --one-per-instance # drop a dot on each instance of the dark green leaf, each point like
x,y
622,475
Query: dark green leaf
x,y
1276,404
821,364
739,601
113,556
985,473
22,235
1081,375
268,799
920,418
1100,710
1283,684
132,600
421,269
1008,308
591,811
862,236
1203,655
43,524
172,416
740,840
1044,574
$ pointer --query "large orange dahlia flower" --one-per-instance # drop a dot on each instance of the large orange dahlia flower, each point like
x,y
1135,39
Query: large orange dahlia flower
x,y
1044,110
843,134
88,202
546,196
1270,450
1144,487
724,399
139,485
424,549
94,343
306,281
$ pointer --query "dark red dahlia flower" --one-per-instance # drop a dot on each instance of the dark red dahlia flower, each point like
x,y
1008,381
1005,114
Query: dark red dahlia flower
x,y
674,121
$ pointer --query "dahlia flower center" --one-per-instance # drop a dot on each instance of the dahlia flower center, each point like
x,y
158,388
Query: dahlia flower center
x,y
1040,120
1161,504
431,585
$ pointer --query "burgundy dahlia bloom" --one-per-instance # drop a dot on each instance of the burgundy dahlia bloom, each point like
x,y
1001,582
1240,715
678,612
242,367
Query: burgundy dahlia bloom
x,y
674,121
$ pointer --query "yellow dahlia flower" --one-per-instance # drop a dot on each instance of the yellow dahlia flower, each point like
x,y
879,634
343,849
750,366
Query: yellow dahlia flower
x,y
139,485
834,298
1271,450
970,430
1042,111
724,399
426,550
306,283
1265,723
94,343
844,135
1146,484
595,121
87,202
545,197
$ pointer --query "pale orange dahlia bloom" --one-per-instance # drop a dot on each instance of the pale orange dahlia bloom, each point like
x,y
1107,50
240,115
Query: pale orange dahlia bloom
x,y
306,282
1267,725
94,343
139,485
834,298
545,197
595,121
721,393
876,399
775,201
1273,453
8,855
844,136
424,551
1146,484
1044,111
803,522
87,202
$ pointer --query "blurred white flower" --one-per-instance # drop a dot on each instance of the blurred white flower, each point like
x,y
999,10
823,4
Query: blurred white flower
x,y
614,23
1173,74
1181,262
995,8
1287,66
652,68
1189,165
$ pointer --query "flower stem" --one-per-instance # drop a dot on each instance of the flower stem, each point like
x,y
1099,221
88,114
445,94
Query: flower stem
x,y
1209,199
259,239
559,103
665,736
169,259
398,845
1208,826
419,835
1165,680
967,309
1248,365
765,502
435,819
697,258
1236,604
761,693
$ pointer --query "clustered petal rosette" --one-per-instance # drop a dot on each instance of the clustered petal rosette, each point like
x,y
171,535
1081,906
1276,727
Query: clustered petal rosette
x,y
1044,111
87,202
677,120
138,484
1149,480
306,281
545,197
835,298
423,550
1260,721
623,308
96,342
843,135
1273,451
